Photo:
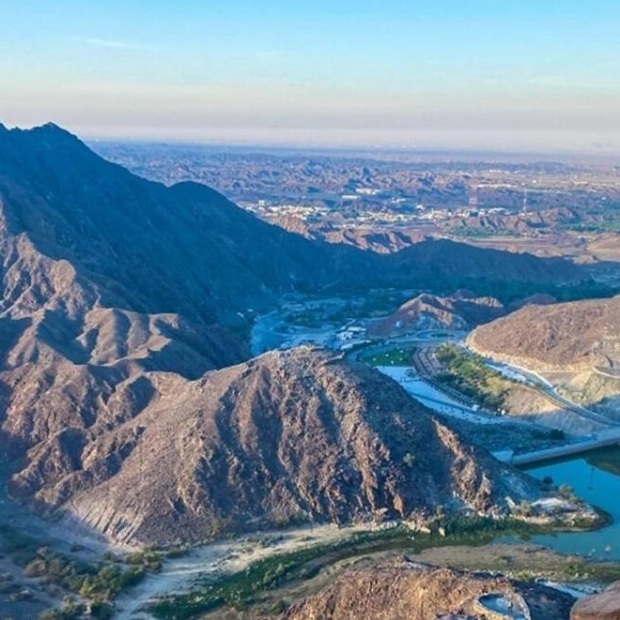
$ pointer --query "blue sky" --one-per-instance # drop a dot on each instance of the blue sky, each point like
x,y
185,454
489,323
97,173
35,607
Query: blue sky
x,y
503,74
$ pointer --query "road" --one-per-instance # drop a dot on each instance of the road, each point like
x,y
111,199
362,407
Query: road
x,y
540,383
424,364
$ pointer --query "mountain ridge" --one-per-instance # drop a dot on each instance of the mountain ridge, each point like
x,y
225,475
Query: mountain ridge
x,y
115,291
293,436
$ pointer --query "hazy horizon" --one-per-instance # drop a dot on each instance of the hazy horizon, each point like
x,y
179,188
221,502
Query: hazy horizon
x,y
534,77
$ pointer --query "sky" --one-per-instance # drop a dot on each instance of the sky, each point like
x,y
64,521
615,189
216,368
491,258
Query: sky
x,y
523,75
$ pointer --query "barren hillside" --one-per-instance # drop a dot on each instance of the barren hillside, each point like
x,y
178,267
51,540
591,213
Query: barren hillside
x,y
288,437
408,591
582,335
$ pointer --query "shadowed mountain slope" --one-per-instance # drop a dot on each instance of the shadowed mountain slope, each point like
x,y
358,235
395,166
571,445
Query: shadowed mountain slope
x,y
188,250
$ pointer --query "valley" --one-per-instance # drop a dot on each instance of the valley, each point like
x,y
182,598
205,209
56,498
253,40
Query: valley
x,y
309,310
218,425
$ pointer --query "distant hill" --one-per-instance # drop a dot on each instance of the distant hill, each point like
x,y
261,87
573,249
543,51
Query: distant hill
x,y
576,344
583,335
459,311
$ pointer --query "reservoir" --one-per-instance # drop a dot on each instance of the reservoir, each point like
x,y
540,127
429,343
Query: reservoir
x,y
594,477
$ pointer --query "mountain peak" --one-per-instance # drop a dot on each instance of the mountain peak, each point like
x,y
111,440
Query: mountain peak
x,y
53,131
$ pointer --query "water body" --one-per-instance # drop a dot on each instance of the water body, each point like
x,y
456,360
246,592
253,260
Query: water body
x,y
499,604
595,477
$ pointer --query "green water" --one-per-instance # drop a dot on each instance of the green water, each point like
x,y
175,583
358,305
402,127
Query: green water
x,y
595,477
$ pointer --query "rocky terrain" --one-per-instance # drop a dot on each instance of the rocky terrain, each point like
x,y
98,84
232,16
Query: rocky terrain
x,y
382,241
603,606
576,345
114,295
402,590
432,179
288,437
186,249
460,311
578,336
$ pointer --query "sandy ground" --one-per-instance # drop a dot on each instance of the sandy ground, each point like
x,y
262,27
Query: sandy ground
x,y
180,574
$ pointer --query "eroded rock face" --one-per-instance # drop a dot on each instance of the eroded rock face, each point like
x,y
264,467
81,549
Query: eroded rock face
x,y
402,590
603,606
287,437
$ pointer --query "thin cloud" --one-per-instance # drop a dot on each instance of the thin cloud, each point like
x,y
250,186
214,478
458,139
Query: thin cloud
x,y
117,45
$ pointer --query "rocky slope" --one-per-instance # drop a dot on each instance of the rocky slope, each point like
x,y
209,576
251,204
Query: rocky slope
x,y
290,436
603,606
113,292
185,249
577,345
402,590
582,335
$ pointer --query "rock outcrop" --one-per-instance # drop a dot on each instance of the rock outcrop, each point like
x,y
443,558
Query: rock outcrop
x,y
402,590
582,335
603,606
460,311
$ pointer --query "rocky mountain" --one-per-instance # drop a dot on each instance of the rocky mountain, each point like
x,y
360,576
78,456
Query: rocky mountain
x,y
582,335
113,295
185,249
576,345
287,437
462,310
602,606
403,590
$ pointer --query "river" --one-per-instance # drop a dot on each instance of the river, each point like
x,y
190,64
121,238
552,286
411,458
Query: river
x,y
595,477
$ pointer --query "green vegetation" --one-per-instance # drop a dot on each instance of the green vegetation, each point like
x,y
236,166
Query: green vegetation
x,y
360,305
596,219
242,589
98,583
393,357
478,232
469,375
599,572
511,291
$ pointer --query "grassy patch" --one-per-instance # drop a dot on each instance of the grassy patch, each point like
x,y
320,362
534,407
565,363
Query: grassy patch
x,y
97,582
393,357
469,375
